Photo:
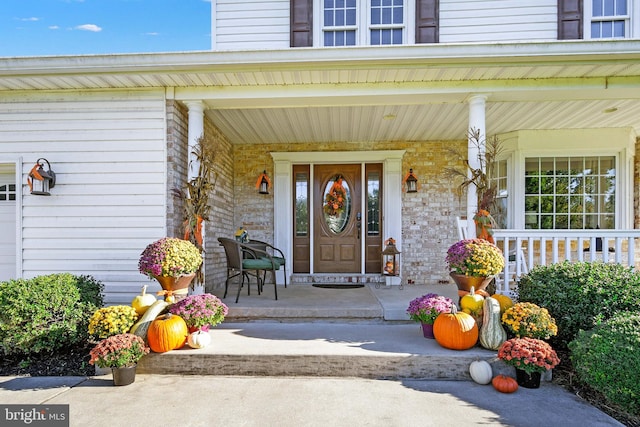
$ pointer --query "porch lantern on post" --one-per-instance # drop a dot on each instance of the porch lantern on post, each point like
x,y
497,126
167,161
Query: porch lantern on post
x,y
390,258
263,183
40,181
411,182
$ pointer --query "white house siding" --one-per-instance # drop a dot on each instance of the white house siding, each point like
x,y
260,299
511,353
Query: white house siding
x,y
465,21
108,151
249,24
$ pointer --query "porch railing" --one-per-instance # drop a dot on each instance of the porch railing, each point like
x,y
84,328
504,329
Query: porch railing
x,y
525,249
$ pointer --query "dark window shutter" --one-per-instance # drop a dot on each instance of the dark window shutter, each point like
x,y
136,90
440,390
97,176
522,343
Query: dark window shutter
x,y
301,33
427,21
569,19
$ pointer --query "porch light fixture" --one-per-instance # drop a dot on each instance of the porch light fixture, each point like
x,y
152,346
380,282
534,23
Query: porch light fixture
x,y
411,182
263,183
40,181
390,258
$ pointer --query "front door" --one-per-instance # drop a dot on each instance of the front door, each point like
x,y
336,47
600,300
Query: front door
x,y
337,218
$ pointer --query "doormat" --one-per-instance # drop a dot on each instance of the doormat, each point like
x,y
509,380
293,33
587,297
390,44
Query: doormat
x,y
337,286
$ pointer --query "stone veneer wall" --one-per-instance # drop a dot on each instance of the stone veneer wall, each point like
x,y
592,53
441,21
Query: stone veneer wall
x,y
177,158
428,216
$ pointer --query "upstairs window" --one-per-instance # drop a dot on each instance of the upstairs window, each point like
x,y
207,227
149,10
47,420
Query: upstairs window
x,y
608,19
363,22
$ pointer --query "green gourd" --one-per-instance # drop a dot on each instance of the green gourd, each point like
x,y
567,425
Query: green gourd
x,y
142,326
492,334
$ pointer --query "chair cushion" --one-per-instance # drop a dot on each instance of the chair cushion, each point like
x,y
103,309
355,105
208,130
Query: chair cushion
x,y
279,260
259,264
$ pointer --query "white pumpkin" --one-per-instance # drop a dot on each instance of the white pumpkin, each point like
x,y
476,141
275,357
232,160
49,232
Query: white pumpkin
x,y
481,372
199,339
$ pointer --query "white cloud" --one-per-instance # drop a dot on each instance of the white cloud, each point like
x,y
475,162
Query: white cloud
x,y
152,34
89,27
31,19
54,27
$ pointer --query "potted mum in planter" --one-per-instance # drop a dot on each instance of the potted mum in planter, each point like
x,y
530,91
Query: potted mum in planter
x,y
426,308
112,320
121,353
473,263
200,312
172,262
531,357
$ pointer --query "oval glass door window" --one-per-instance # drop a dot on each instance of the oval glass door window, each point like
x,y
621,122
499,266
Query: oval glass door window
x,y
337,205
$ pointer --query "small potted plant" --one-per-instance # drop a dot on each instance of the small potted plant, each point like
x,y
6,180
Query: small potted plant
x,y
426,308
121,353
473,263
526,319
172,262
531,357
112,320
200,311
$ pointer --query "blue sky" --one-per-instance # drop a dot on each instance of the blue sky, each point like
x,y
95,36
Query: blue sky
x,y
71,27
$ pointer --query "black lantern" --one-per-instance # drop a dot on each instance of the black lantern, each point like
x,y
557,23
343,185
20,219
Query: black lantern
x,y
40,180
411,181
390,258
263,183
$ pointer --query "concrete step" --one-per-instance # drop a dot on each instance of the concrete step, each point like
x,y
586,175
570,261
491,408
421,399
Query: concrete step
x,y
343,349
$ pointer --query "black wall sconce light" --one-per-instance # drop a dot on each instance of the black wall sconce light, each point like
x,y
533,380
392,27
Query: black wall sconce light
x,y
263,183
40,181
411,182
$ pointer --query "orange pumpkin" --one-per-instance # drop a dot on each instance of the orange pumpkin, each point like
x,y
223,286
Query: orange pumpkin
x,y
504,384
456,330
166,333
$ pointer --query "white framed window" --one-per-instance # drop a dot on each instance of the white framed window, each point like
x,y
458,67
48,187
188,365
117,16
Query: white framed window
x,y
362,22
573,192
608,19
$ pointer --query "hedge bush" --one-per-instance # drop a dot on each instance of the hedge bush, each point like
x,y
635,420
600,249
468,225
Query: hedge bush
x,y
580,295
46,313
608,359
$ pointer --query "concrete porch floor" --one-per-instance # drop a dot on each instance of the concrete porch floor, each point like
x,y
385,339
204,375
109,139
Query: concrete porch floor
x,y
305,302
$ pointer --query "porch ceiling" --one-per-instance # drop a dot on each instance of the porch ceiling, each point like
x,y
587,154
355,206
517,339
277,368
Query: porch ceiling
x,y
369,93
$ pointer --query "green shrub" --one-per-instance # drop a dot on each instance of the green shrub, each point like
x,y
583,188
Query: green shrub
x,y
580,295
46,313
608,359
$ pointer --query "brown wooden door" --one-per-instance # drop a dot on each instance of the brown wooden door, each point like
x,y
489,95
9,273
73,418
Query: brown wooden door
x,y
337,244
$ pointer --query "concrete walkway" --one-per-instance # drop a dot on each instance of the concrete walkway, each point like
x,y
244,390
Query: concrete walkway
x,y
168,400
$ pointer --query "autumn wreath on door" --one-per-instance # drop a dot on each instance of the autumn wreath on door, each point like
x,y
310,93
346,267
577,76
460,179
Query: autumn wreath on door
x,y
336,197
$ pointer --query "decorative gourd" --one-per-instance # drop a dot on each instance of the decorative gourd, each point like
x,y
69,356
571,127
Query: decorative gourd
x,y
168,332
492,334
505,302
143,301
472,301
142,325
456,330
504,384
481,372
199,339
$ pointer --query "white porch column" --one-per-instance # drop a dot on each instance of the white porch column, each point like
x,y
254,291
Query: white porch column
x,y
477,104
196,130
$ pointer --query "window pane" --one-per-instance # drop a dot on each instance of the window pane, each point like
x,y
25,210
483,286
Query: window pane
x,y
386,16
595,30
618,29
397,37
386,36
328,18
398,15
606,29
375,37
337,219
608,8
373,204
597,7
351,38
302,204
621,7
562,166
328,39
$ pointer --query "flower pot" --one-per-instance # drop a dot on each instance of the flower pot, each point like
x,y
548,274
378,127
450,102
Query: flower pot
x,y
528,380
465,283
427,330
124,376
179,286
